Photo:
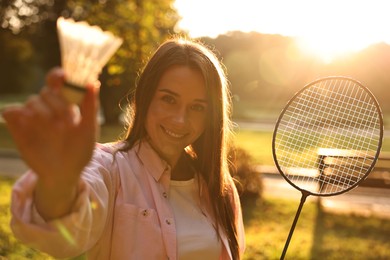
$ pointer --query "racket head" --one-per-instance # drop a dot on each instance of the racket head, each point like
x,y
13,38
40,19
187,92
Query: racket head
x,y
336,113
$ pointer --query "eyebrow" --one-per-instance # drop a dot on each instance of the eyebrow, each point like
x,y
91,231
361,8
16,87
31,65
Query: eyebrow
x,y
177,95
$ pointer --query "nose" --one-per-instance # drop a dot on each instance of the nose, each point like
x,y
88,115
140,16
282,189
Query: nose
x,y
180,116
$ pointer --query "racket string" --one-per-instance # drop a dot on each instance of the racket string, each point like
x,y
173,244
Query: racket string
x,y
333,114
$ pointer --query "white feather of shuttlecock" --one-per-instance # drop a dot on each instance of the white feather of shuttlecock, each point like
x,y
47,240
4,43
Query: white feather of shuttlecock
x,y
85,50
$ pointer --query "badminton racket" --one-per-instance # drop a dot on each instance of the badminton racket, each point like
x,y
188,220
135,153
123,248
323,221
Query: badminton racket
x,y
327,115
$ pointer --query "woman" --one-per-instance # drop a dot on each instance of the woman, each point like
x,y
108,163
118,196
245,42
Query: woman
x,y
164,192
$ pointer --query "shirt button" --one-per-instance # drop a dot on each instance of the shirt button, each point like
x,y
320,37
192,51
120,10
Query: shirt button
x,y
168,221
145,213
165,195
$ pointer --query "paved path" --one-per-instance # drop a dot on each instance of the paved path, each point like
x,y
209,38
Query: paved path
x,y
364,201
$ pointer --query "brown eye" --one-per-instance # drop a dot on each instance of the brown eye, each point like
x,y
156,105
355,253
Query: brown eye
x,y
168,99
198,107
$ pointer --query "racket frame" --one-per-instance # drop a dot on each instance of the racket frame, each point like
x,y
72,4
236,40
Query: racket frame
x,y
306,193
375,158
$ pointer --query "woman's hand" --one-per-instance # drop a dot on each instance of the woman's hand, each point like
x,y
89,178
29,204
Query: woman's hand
x,y
56,140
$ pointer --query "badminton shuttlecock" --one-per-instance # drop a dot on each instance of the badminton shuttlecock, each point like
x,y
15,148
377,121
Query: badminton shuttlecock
x,y
85,50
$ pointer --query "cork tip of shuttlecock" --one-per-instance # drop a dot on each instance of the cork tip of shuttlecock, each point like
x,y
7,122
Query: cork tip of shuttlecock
x,y
73,93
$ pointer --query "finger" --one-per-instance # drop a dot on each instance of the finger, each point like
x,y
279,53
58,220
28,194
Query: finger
x,y
25,138
16,119
55,78
89,107
11,115
38,110
58,105
41,120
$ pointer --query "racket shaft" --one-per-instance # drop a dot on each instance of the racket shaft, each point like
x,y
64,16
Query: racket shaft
x,y
303,199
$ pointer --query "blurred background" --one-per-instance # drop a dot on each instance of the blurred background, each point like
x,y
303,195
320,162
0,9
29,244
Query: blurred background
x,y
270,50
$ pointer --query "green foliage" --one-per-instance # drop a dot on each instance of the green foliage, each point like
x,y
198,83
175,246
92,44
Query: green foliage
x,y
25,15
10,247
16,58
29,44
248,182
142,25
265,70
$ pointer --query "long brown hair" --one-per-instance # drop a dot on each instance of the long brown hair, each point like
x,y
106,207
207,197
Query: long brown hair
x,y
211,147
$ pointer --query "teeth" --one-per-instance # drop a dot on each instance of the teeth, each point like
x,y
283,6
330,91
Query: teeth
x,y
173,134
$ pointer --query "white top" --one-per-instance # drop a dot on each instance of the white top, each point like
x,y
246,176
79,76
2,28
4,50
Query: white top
x,y
196,236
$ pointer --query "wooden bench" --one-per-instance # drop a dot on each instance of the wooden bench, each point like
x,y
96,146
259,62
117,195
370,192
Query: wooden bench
x,y
335,158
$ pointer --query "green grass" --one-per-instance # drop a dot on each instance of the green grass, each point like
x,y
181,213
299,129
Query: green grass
x,y
259,145
267,224
10,247
318,235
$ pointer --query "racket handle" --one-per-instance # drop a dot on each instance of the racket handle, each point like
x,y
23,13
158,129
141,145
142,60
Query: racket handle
x,y
303,199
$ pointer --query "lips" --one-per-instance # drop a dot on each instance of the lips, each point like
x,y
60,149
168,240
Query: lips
x,y
173,134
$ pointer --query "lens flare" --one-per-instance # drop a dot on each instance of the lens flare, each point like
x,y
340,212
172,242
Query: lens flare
x,y
65,233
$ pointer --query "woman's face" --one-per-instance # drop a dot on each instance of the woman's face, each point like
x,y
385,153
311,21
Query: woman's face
x,y
177,113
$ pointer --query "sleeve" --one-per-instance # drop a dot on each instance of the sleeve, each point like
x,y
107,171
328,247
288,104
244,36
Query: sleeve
x,y
70,235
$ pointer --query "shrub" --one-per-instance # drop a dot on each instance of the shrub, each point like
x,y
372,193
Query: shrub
x,y
248,182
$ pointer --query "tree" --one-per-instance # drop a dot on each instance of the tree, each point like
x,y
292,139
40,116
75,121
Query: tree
x,y
142,24
16,58
29,45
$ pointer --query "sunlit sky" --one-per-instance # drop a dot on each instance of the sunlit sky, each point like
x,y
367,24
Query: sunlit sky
x,y
325,27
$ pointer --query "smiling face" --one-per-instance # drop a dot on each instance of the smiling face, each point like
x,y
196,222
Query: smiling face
x,y
177,113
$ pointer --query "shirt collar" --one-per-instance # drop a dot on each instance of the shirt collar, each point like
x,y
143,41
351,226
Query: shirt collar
x,y
151,160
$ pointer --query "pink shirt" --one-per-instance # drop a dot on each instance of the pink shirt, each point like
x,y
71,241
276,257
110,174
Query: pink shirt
x,y
122,211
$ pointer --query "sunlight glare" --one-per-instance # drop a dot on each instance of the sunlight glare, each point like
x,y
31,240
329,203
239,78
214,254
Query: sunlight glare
x,y
329,47
326,28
